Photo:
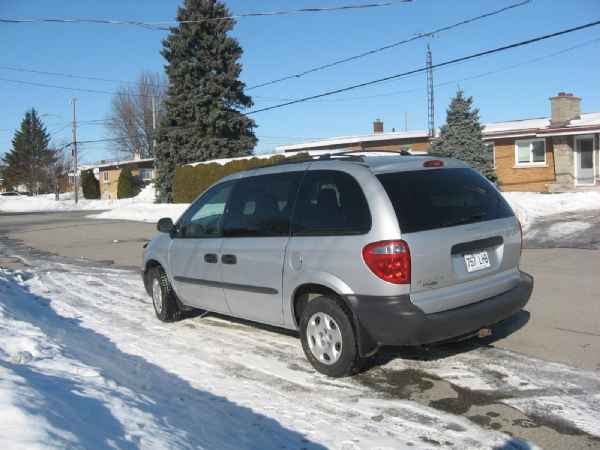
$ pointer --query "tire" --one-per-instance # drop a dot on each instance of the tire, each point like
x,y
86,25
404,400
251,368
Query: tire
x,y
166,307
331,348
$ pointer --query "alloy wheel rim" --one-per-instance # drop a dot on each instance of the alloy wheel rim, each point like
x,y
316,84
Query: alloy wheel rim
x,y
324,338
157,295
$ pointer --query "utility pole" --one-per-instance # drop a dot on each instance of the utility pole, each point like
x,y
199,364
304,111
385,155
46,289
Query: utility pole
x,y
74,150
153,126
430,103
406,121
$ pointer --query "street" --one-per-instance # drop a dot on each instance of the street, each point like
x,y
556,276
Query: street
x,y
513,382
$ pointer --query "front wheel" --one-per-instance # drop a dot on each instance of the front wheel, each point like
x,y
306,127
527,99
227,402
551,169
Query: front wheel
x,y
328,337
163,297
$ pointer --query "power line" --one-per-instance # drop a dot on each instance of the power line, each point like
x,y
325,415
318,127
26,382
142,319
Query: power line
x,y
389,46
69,88
162,23
434,66
68,75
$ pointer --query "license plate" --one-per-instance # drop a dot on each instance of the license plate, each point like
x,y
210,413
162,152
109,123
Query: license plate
x,y
477,261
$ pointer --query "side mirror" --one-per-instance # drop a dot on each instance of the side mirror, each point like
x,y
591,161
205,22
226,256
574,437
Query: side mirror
x,y
165,225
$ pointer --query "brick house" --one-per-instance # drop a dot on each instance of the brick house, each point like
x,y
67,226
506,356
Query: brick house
x,y
108,174
559,153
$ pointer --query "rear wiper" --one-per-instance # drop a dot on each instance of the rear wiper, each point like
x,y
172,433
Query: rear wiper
x,y
465,219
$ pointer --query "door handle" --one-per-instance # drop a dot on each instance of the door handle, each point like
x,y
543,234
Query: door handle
x,y
229,259
211,258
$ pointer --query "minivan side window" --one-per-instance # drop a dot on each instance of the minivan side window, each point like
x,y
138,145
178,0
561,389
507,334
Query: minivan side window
x,y
330,203
204,219
261,206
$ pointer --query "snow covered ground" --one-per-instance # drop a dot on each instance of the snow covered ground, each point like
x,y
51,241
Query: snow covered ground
x,y
85,364
140,208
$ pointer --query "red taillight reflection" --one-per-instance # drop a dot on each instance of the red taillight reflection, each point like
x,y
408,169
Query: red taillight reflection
x,y
389,260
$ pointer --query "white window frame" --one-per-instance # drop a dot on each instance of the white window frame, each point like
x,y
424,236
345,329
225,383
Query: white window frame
x,y
105,176
493,144
147,178
530,163
576,157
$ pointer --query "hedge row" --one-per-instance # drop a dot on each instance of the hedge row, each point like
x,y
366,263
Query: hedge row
x,y
192,181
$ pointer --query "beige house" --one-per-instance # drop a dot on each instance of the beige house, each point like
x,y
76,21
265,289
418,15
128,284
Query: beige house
x,y
108,174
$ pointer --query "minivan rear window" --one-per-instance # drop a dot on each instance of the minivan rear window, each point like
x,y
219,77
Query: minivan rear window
x,y
431,199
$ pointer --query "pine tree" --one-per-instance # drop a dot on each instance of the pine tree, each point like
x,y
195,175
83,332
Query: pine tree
x,y
90,185
461,137
128,186
29,160
202,118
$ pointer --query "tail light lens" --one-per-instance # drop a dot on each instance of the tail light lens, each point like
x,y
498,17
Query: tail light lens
x,y
389,260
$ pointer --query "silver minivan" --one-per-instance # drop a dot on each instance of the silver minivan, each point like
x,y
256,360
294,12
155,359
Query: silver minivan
x,y
354,252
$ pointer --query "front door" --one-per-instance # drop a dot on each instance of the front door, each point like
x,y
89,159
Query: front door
x,y
194,255
256,234
584,156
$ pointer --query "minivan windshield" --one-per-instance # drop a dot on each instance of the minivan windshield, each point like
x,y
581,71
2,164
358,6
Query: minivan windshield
x,y
431,199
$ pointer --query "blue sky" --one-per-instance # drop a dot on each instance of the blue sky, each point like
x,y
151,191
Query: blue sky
x,y
277,46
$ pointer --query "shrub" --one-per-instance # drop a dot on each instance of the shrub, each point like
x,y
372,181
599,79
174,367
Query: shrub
x,y
89,185
129,186
192,181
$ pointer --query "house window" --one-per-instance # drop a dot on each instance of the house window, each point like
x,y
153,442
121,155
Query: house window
x,y
489,146
105,176
530,152
147,174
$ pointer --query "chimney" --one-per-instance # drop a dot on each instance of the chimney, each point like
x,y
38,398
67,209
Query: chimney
x,y
565,107
378,126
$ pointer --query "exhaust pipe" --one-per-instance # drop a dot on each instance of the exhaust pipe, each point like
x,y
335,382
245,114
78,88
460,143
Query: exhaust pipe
x,y
484,332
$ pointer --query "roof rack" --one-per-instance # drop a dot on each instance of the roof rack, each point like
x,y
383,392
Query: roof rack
x,y
400,153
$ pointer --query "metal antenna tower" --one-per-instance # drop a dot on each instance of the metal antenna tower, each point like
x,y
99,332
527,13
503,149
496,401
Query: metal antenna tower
x,y
430,102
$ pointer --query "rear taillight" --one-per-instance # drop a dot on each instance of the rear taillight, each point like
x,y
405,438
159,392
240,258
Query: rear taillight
x,y
389,260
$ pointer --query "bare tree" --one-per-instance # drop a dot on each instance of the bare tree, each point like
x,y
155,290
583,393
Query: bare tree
x,y
58,171
131,121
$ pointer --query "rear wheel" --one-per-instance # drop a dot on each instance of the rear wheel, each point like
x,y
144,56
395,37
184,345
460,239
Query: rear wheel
x,y
328,337
163,297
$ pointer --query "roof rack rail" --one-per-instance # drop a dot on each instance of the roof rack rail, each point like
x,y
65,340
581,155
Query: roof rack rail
x,y
399,153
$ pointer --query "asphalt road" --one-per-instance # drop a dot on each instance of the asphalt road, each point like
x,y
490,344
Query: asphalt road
x,y
561,322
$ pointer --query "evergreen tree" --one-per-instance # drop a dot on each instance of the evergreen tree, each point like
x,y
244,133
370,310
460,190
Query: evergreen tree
x,y
129,186
461,137
29,160
202,118
89,185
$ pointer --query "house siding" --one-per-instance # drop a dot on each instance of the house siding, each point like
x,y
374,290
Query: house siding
x,y
513,178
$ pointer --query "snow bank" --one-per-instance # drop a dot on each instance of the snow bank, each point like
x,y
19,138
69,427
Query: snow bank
x,y
140,208
143,212
47,203
531,206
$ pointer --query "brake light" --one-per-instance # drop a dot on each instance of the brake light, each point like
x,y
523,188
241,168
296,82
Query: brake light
x,y
433,163
389,260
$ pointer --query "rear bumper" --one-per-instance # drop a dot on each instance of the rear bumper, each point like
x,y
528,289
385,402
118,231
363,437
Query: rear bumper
x,y
397,321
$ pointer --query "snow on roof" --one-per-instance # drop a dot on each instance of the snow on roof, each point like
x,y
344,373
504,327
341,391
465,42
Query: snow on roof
x,y
349,140
516,125
114,163
533,126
